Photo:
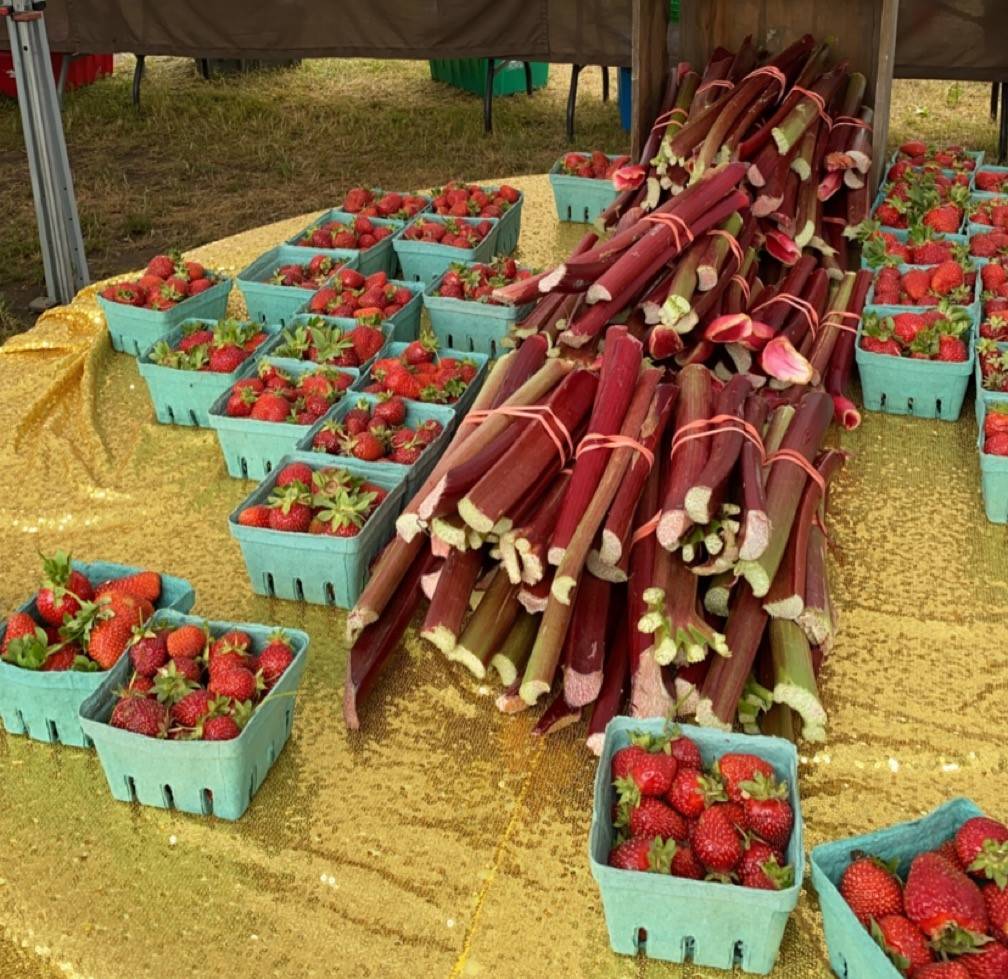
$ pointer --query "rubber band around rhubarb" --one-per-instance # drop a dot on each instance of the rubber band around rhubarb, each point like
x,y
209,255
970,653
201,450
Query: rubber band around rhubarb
x,y
818,101
841,314
830,220
797,459
743,285
773,72
675,224
797,303
594,440
733,245
670,114
540,413
852,121
714,83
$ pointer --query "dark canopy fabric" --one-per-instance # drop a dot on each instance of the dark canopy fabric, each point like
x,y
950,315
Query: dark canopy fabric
x,y
583,31
956,39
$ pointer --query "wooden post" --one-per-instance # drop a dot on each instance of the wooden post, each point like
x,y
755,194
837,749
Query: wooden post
x,y
649,66
888,16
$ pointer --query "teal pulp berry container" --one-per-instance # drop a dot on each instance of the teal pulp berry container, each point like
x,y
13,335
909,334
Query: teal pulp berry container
x,y
406,322
509,224
993,473
467,325
184,397
379,257
973,307
470,74
132,329
276,304
304,319
416,413
904,386
252,447
206,778
679,920
853,953
317,568
464,403
424,261
580,199
902,235
44,705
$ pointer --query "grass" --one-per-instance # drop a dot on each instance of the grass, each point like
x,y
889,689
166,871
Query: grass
x,y
203,160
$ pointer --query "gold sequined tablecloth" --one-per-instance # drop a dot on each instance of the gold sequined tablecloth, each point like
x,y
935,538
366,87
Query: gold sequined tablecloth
x,y
441,840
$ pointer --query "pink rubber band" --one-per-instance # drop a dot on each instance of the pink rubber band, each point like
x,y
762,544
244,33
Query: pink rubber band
x,y
733,245
675,224
540,413
817,100
593,441
665,119
645,529
773,72
851,121
797,303
713,83
743,285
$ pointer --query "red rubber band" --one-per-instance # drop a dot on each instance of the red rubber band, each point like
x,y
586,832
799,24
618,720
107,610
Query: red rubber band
x,y
733,245
817,100
743,285
795,302
714,83
665,119
773,72
675,223
593,441
540,413
851,121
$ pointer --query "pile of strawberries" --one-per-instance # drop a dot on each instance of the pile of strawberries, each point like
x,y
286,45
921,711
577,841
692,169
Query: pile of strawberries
x,y
378,434
188,685
276,396
928,286
935,334
995,428
326,501
917,153
368,299
922,247
730,823
328,343
455,234
989,244
79,626
470,200
221,348
399,207
476,282
311,275
166,282
419,375
595,165
991,182
993,366
994,279
993,213
360,233
928,198
949,919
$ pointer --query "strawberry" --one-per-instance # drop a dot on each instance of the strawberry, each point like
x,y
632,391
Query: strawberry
x,y
653,772
989,961
144,585
952,349
192,708
716,841
295,472
945,217
652,817
227,358
641,853
185,667
233,639
982,846
997,444
109,639
768,812
224,662
763,868
946,277
275,657
871,889
685,864
902,941
917,284
270,407
736,768
257,515
689,792
391,411
221,727
141,715
149,652
948,851
19,625
62,659
63,590
939,896
162,266
941,970
237,684
367,447
622,761
930,252
906,326
996,900
684,750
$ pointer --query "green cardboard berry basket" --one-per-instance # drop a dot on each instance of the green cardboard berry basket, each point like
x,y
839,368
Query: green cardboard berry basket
x,y
345,323
580,199
424,261
276,304
464,403
252,447
464,324
378,258
993,473
315,568
184,397
904,386
206,778
688,920
406,322
44,705
132,329
901,234
853,952
416,413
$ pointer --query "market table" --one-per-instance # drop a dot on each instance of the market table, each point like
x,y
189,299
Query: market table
x,y
440,840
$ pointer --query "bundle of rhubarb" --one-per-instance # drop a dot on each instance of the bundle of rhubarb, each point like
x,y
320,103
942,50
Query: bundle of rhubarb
x,y
631,519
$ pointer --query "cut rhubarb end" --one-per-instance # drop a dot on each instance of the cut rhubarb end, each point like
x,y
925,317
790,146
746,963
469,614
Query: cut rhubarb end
x,y
629,177
532,690
408,526
706,717
460,654
804,703
581,689
563,588
671,527
606,572
595,743
449,533
506,670
479,522
552,279
576,340
782,248
756,575
357,621
442,637
845,412
817,625
698,503
781,361
729,328
790,608
597,294
511,703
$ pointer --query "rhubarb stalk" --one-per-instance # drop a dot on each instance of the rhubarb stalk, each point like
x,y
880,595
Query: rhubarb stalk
x,y
450,601
586,642
513,653
615,680
794,677
488,626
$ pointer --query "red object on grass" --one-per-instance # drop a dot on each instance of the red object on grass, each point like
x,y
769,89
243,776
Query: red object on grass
x,y
82,71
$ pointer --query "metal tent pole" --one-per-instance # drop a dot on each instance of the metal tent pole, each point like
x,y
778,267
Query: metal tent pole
x,y
52,185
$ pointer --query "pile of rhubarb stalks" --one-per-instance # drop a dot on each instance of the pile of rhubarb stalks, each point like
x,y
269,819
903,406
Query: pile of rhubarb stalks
x,y
631,519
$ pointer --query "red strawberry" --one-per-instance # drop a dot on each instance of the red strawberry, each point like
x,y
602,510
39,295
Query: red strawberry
x,y
993,275
685,863
903,942
941,970
871,889
952,349
641,853
257,515
948,851
982,846
906,326
684,750
946,277
391,411
227,359
367,446
653,773
622,761
270,407
275,657
237,684
737,767
109,639
931,253
419,352
149,653
19,625
63,590
876,346
144,585
946,218
688,794
939,896
62,659
192,708
989,961
763,868
221,727
996,899
917,284
651,817
295,472
768,812
162,266
141,715
716,840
